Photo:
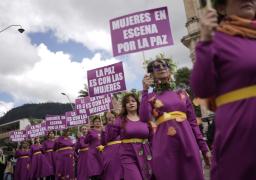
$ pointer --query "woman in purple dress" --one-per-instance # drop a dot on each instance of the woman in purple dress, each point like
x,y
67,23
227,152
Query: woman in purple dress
x,y
82,149
225,70
64,154
48,146
112,169
40,167
94,161
177,141
22,167
135,150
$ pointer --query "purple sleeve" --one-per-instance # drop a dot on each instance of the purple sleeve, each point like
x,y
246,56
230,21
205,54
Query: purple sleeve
x,y
103,138
112,131
203,77
145,107
88,138
56,144
195,128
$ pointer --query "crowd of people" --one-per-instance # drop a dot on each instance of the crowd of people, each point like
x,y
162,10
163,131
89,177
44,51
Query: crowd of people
x,y
157,138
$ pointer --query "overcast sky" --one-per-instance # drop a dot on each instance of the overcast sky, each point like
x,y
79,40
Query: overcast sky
x,y
63,39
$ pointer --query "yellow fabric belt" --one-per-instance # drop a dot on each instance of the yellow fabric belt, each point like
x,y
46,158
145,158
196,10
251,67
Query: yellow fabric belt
x,y
23,157
134,140
36,153
174,115
114,142
64,148
100,148
83,149
49,150
236,95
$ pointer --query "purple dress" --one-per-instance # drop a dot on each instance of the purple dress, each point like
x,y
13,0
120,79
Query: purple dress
x,y
22,167
82,165
49,153
40,167
135,157
225,64
176,145
95,165
64,153
112,169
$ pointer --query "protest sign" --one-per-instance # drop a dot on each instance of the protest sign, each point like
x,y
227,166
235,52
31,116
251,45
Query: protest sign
x,y
56,122
94,105
18,136
36,130
106,80
140,31
74,119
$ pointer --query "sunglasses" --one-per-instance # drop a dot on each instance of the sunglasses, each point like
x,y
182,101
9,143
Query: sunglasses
x,y
159,67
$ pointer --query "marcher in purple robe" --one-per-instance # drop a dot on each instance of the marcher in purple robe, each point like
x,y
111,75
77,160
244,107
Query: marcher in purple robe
x,y
22,167
95,164
48,146
64,154
82,149
135,153
177,141
225,70
40,167
112,169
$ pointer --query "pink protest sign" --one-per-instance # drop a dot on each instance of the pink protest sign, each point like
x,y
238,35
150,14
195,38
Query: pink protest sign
x,y
36,130
106,80
74,119
56,122
94,105
18,136
140,31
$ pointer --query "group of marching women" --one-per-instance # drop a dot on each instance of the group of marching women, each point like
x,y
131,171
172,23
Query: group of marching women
x,y
134,148
158,137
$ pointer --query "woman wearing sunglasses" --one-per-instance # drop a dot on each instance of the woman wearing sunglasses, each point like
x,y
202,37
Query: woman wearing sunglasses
x,y
177,141
225,70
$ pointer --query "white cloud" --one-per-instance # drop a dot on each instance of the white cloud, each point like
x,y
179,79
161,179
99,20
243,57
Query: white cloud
x,y
5,107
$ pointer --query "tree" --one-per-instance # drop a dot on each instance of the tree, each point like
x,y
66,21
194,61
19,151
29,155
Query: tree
x,y
182,77
84,92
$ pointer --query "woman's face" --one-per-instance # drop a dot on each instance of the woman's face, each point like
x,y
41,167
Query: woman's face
x,y
110,117
83,129
25,145
37,140
131,104
242,8
97,123
51,135
160,70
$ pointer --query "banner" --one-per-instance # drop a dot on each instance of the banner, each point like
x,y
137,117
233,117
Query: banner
x,y
18,136
94,105
56,122
36,130
106,80
74,119
140,31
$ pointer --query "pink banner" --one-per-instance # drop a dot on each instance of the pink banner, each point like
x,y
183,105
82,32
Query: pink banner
x,y
18,136
36,130
74,119
106,80
94,105
56,122
141,31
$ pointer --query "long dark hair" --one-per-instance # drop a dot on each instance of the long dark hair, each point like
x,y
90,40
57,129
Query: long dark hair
x,y
124,112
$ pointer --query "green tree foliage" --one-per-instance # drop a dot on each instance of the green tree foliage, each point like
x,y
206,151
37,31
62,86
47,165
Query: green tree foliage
x,y
84,92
